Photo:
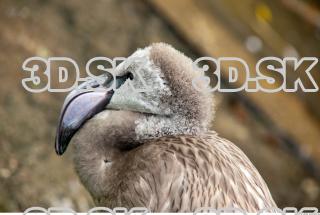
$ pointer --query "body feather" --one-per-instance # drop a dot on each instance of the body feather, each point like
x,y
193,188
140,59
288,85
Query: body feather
x,y
181,174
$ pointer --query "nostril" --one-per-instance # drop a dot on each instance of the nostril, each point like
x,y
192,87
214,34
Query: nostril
x,y
95,85
106,161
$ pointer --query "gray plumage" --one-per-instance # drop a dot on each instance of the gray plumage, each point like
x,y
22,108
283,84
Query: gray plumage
x,y
153,149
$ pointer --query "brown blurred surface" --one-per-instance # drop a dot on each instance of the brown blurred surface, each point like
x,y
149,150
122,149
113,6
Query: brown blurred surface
x,y
30,172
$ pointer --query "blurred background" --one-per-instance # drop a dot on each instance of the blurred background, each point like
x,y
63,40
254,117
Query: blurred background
x,y
280,132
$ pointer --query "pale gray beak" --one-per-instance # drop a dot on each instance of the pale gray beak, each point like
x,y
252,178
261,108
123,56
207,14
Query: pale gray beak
x,y
81,105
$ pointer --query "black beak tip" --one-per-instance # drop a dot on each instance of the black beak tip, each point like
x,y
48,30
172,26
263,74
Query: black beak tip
x,y
58,147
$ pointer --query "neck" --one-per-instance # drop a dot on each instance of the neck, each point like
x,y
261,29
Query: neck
x,y
154,126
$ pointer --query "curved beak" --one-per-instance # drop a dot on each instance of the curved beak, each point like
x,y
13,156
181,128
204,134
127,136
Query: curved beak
x,y
79,106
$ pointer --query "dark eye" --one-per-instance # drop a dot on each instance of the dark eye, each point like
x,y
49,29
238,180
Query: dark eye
x,y
130,75
121,79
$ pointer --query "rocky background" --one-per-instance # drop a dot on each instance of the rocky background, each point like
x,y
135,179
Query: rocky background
x,y
31,174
